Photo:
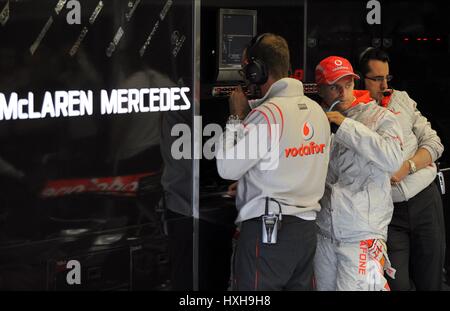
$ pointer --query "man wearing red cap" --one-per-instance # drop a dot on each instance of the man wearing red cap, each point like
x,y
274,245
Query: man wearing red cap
x,y
357,205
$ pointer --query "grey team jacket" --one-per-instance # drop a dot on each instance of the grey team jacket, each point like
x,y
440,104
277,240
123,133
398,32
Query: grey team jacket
x,y
297,179
417,133
365,151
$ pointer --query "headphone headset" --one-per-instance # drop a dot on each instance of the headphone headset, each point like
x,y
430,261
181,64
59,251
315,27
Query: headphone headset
x,y
360,84
255,71
363,55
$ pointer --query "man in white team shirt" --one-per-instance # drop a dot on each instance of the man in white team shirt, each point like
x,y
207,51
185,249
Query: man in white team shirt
x,y
357,205
416,235
295,144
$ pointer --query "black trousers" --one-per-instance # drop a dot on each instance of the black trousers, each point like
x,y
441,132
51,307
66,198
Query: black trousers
x,y
180,230
286,265
416,242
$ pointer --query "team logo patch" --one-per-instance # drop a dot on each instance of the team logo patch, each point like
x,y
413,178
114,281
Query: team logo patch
x,y
307,131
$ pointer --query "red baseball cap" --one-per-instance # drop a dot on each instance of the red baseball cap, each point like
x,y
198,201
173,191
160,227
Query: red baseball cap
x,y
332,68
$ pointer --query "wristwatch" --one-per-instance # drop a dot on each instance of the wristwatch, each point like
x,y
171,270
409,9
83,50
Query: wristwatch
x,y
412,167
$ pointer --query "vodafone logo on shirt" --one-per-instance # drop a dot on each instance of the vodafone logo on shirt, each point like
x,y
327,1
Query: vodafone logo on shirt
x,y
307,149
307,131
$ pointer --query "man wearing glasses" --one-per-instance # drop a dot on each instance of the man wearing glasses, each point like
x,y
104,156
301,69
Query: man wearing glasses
x,y
416,234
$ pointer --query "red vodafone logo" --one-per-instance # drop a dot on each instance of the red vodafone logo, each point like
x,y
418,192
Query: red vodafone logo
x,y
307,131
338,62
307,149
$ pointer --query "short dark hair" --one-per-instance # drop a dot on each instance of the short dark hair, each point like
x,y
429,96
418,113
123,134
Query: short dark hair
x,y
273,51
371,54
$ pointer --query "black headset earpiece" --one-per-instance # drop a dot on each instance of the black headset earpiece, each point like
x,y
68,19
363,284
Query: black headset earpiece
x,y
363,55
255,70
360,84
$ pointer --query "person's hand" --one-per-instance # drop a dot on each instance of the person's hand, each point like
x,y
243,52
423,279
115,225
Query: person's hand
x,y
232,189
335,117
401,173
238,103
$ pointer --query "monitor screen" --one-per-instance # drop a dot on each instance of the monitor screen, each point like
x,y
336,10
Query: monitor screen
x,y
237,28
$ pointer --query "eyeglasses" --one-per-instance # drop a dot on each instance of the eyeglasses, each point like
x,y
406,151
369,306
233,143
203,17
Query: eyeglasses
x,y
380,79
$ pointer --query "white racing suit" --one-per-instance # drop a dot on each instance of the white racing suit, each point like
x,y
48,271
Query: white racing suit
x,y
357,205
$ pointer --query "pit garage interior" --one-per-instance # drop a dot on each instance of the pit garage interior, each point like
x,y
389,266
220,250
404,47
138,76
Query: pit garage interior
x,y
100,187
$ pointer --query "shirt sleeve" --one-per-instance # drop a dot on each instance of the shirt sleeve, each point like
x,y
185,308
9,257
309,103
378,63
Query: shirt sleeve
x,y
383,147
426,137
244,145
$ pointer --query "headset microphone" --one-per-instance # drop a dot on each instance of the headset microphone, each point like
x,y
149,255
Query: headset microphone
x,y
386,97
337,101
388,92
334,127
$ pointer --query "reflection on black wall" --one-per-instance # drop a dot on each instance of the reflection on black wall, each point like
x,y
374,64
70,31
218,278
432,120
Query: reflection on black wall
x,y
91,187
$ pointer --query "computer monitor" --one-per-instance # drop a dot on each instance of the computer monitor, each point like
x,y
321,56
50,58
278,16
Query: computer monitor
x,y
236,29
